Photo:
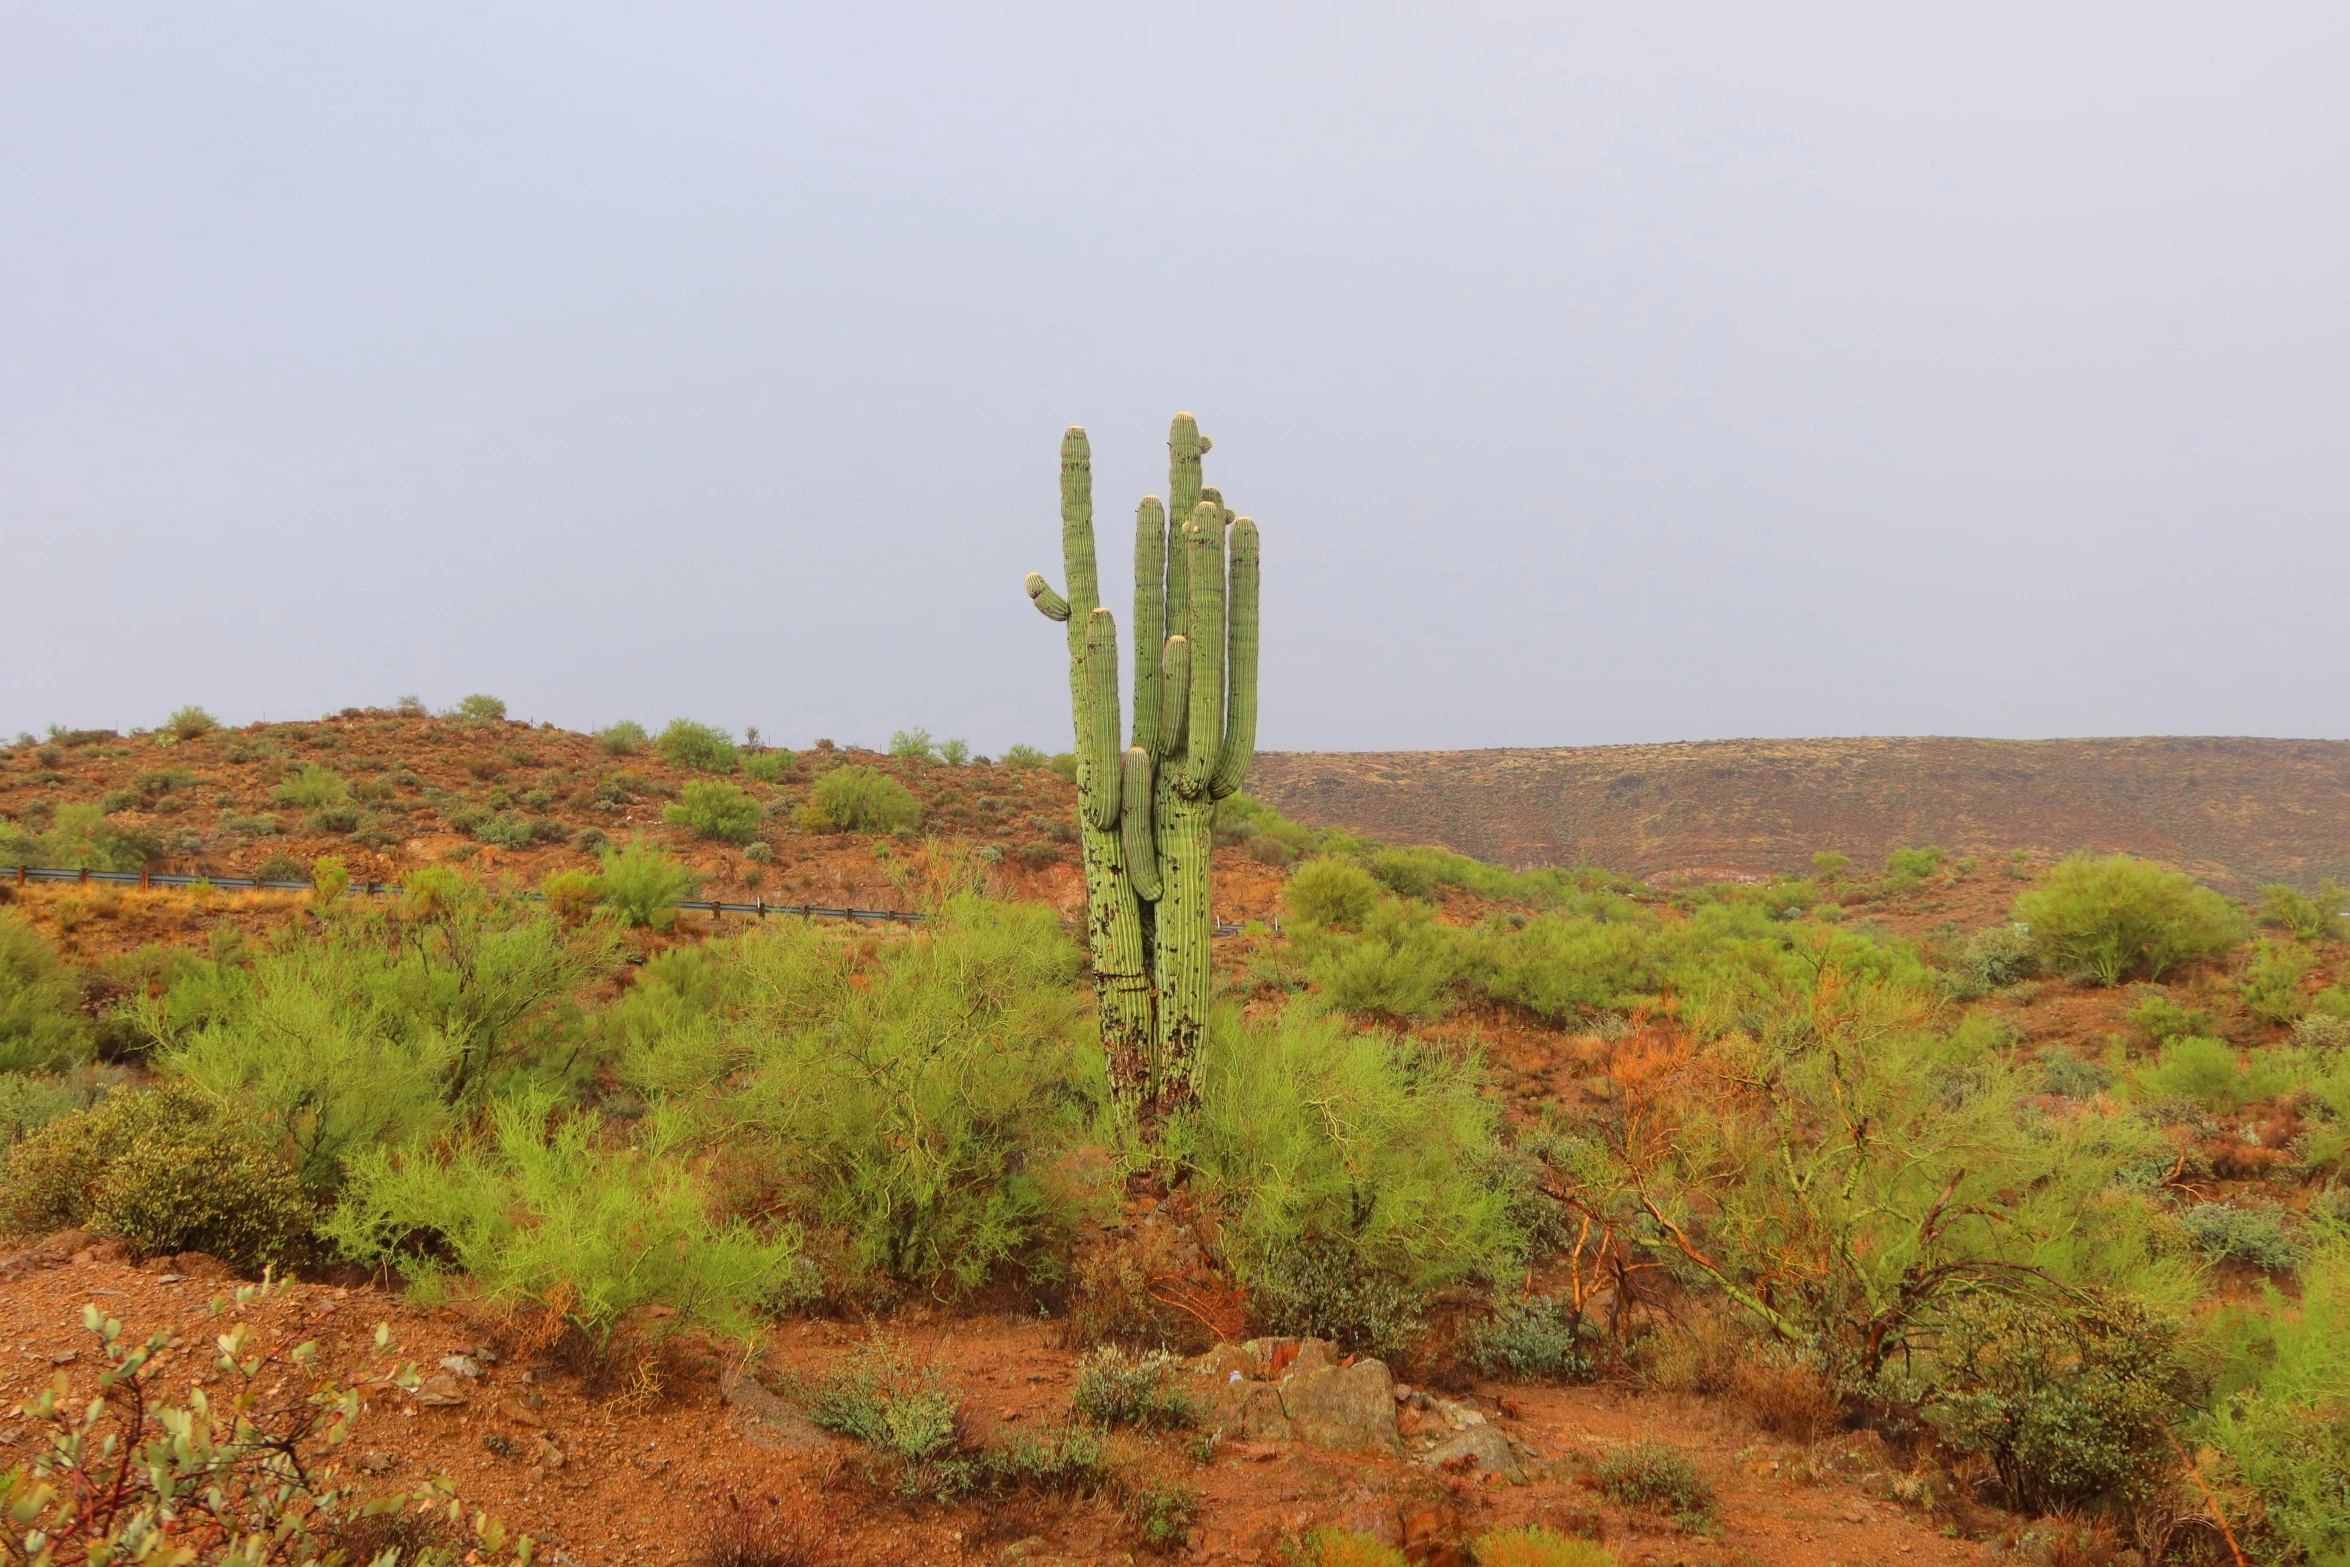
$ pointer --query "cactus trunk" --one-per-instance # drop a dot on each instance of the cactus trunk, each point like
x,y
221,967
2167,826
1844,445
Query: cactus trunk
x,y
1146,814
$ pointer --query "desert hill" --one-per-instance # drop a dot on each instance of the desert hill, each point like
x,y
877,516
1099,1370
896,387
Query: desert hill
x,y
2237,812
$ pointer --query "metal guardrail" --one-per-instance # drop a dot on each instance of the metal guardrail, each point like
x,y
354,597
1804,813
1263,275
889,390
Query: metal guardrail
x,y
714,907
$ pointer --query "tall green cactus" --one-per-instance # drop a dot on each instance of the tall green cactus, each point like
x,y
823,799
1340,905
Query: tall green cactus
x,y
1144,815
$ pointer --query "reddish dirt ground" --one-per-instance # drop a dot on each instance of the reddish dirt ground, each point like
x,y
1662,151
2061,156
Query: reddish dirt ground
x,y
640,1479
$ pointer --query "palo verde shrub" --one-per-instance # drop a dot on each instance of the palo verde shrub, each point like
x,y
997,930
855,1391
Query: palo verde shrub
x,y
2309,919
2208,1072
920,1099
685,743
771,767
625,738
2161,1019
1914,864
1995,958
1021,755
1331,892
313,788
1352,1173
643,886
378,1029
715,810
2271,983
42,1027
861,799
546,1209
167,1170
2115,917
31,1100
479,708
1397,968
2286,1428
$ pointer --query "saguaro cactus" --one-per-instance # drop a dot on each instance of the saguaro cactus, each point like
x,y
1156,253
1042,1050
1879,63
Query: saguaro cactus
x,y
1144,814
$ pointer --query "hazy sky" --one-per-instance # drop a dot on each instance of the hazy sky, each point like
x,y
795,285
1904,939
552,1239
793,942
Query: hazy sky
x,y
1595,373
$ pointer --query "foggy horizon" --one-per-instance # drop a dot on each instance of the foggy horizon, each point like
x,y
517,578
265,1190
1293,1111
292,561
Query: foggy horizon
x,y
1595,378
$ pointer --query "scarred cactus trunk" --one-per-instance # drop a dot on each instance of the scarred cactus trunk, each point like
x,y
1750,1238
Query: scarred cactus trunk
x,y
1145,814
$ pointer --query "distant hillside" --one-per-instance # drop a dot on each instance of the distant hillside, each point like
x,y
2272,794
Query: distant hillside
x,y
2237,812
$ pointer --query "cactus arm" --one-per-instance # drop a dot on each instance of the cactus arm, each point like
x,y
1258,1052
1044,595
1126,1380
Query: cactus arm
x,y
1184,446
1135,830
1048,603
1150,624
1203,541
1085,589
1098,782
1174,694
1240,617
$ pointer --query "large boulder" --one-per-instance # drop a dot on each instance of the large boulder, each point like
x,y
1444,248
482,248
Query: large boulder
x,y
1350,1408
1481,1447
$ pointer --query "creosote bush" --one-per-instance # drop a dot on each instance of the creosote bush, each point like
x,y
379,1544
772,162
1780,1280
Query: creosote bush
x,y
1329,891
625,738
1117,1389
187,723
1535,1546
2113,918
165,1169
1659,1477
2309,919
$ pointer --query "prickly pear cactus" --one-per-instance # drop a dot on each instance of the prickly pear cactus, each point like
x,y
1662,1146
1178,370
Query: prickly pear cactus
x,y
1145,812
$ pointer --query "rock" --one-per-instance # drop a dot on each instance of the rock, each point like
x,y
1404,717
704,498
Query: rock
x,y
1480,1447
1313,1354
1431,1529
440,1392
1255,1413
1376,1516
199,1265
463,1365
766,1420
548,1455
374,1463
1350,1408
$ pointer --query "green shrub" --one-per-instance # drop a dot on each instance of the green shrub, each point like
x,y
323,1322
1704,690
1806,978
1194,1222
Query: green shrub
x,y
572,895
715,810
546,1209
2208,1072
625,738
2255,1236
910,1418
2286,1429
506,830
864,799
479,708
955,753
2062,1072
915,744
314,787
1064,763
1535,1546
1398,968
1022,756
920,1100
378,1028
1117,1389
31,1100
42,1026
685,743
1560,965
643,886
1331,1546
1352,1174
2309,919
81,837
1331,892
2161,1019
189,722
167,1170
771,767
1538,1338
1995,958
1914,863
2271,983
2071,1403
2113,917
1659,1478
1831,864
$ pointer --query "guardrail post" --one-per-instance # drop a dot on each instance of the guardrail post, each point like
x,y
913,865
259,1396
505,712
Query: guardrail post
x,y
85,876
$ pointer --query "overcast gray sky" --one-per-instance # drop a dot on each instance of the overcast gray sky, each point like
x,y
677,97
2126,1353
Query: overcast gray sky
x,y
1595,373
